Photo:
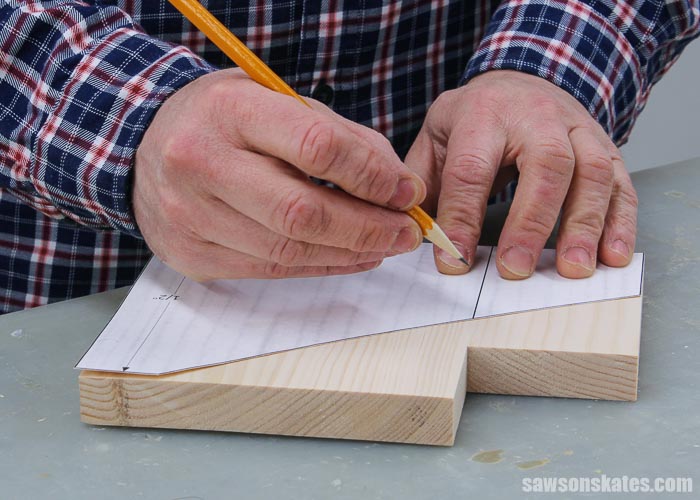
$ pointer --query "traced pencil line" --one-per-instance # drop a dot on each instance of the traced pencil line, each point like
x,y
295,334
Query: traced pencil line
x,y
126,366
483,280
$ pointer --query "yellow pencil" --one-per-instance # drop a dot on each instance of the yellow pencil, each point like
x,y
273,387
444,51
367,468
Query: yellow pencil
x,y
256,69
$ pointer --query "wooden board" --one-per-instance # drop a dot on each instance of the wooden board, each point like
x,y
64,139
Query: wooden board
x,y
406,386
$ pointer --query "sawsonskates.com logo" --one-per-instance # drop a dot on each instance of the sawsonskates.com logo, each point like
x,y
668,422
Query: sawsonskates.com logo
x,y
607,484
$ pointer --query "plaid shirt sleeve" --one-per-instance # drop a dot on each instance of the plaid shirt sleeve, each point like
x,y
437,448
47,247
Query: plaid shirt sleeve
x,y
606,53
80,83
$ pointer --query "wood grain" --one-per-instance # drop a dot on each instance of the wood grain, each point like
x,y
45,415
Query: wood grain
x,y
405,386
582,351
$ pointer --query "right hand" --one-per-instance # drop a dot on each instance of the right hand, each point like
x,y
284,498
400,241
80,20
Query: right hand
x,y
222,189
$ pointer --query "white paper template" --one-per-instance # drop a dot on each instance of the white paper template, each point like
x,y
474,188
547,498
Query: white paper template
x,y
169,323
546,288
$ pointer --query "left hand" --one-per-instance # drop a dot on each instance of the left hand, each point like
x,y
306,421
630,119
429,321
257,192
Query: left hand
x,y
567,164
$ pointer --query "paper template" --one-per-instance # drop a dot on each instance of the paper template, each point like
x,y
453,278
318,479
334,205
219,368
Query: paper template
x,y
546,288
169,323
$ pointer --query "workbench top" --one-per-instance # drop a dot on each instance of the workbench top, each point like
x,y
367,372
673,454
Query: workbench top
x,y
46,452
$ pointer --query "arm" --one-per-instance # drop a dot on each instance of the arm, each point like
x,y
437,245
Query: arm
x,y
216,180
79,85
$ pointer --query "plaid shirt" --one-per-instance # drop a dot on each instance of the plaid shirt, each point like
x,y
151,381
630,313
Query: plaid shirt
x,y
81,80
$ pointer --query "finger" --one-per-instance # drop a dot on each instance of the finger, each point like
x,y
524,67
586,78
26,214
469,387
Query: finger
x,y
368,134
327,148
205,261
546,163
585,207
474,154
278,197
231,229
620,231
375,139
616,247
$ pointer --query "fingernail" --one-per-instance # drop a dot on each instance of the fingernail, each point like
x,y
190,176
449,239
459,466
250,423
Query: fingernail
x,y
406,195
619,246
408,239
518,261
580,257
450,261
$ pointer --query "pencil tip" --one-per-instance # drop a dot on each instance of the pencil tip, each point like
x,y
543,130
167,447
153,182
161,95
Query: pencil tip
x,y
464,261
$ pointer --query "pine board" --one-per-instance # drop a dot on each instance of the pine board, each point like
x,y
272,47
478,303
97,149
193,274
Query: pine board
x,y
405,386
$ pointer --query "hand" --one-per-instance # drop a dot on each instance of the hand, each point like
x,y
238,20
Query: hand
x,y
222,187
566,162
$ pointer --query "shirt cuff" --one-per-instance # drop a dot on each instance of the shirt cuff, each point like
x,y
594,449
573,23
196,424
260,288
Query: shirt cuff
x,y
576,47
84,151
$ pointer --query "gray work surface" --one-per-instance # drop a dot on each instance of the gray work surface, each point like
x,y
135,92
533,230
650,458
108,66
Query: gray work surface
x,y
46,452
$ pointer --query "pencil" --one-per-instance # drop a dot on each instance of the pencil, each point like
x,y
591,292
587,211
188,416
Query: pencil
x,y
260,72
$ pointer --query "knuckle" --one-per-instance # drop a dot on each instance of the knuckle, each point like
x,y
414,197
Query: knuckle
x,y
590,225
553,170
289,252
621,221
490,102
443,100
382,140
301,217
623,211
372,179
222,94
473,168
548,195
375,138
535,222
317,146
464,228
177,150
598,168
174,210
276,270
549,106
615,153
246,268
442,107
629,196
464,216
358,258
556,155
372,237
